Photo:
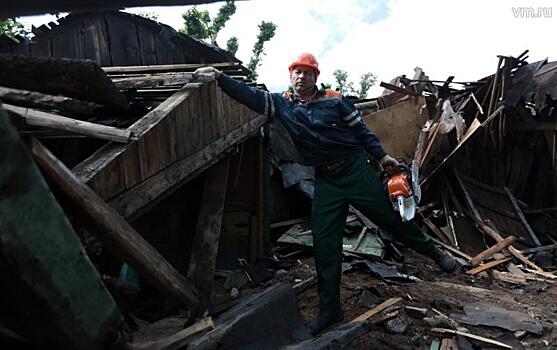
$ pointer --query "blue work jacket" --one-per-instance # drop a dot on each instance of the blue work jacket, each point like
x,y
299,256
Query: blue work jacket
x,y
326,130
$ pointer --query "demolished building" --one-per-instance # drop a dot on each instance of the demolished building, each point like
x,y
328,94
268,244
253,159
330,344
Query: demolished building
x,y
162,182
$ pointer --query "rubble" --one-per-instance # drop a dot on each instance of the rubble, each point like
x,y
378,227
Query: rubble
x,y
154,186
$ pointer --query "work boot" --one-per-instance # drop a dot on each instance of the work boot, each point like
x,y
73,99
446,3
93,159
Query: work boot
x,y
446,262
324,319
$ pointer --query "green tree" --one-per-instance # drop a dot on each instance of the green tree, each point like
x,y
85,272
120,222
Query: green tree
x,y
232,45
367,80
149,15
341,78
266,33
13,29
199,25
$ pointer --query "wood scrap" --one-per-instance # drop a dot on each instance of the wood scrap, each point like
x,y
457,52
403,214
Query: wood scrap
x,y
83,79
452,249
35,117
492,250
471,336
486,266
203,257
374,311
178,340
112,229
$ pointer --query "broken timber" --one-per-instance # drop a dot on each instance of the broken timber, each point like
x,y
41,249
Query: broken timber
x,y
115,231
35,117
183,136
52,294
203,259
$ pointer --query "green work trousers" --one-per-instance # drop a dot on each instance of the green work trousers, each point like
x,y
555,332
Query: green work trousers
x,y
354,182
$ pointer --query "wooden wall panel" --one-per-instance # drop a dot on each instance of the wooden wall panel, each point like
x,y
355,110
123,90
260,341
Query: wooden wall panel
x,y
124,43
96,45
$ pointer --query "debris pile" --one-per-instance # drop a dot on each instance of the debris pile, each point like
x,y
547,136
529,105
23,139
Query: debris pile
x,y
135,210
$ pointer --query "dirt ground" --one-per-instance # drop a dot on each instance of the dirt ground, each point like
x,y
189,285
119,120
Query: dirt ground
x,y
442,292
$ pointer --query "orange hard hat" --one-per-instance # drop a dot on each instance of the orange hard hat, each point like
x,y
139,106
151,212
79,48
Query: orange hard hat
x,y
307,60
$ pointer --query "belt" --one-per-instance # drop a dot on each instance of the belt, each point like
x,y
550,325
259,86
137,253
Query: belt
x,y
330,166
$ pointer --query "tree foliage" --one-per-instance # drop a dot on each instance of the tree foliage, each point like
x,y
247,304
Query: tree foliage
x,y
13,28
199,25
266,33
232,45
367,80
149,15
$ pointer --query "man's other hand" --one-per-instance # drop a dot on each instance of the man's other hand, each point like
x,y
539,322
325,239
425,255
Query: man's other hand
x,y
389,164
207,70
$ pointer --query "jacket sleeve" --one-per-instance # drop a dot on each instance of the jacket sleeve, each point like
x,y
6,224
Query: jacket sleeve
x,y
367,139
259,100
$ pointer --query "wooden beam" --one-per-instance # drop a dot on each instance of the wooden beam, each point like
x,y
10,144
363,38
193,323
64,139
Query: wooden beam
x,y
520,214
491,250
13,8
374,311
112,229
452,249
81,79
165,68
203,258
149,192
402,90
471,336
483,267
52,294
490,231
178,340
34,99
34,117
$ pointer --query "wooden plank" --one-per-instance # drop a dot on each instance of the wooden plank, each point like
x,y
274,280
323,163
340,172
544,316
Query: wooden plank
x,y
440,235
490,231
124,44
520,214
491,250
44,269
471,336
112,229
165,68
374,311
83,80
12,8
147,46
35,117
203,258
178,340
148,192
25,98
452,249
404,119
483,267
402,90
95,38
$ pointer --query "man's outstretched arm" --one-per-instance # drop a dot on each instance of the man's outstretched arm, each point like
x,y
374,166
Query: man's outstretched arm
x,y
258,100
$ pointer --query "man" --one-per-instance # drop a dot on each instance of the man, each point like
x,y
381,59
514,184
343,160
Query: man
x,y
330,135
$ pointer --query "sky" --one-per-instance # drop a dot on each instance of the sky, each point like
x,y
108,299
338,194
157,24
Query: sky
x,y
385,37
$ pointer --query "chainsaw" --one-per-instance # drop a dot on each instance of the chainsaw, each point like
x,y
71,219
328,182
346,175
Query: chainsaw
x,y
404,191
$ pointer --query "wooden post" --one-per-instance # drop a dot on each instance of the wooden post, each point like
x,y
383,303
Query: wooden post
x,y
527,226
58,122
203,259
113,230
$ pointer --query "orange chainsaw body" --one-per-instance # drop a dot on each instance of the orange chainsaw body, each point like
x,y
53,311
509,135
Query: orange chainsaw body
x,y
399,185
